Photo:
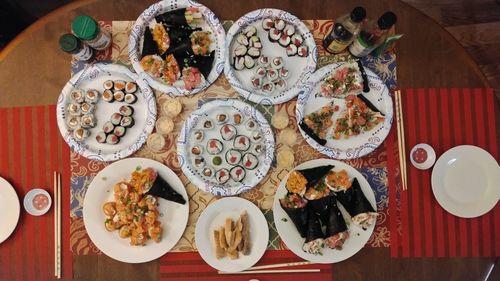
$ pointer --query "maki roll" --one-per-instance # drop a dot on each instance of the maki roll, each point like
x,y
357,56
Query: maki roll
x,y
279,24
208,172
196,150
263,61
130,87
284,73
315,175
101,137
256,136
149,46
291,50
254,41
154,184
249,62
274,35
208,124
357,205
108,127
250,31
92,96
336,228
251,125
119,131
284,40
239,63
77,96
237,118
237,173
289,30
112,139
116,118
127,122
240,50
260,71
214,146
256,81
126,110
183,17
222,176
88,121
268,87
108,85
241,143
242,39
119,96
302,51
86,108
280,84
296,208
119,85
199,162
297,40
272,74
108,96
267,23
198,136
81,134
277,62
254,52
314,235
74,108
258,149
250,161
233,157
228,132
73,121
221,118
296,183
130,98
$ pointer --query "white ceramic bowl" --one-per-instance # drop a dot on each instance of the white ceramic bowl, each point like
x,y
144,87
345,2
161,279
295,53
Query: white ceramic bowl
x,y
28,202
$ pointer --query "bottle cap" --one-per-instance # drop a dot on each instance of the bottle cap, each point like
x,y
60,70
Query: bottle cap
x,y
358,14
387,20
85,27
68,43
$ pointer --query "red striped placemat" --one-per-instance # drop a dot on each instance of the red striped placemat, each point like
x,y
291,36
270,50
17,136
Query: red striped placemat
x,y
31,149
189,265
443,118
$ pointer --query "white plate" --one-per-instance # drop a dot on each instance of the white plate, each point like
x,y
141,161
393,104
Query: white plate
x,y
173,216
465,181
214,216
195,121
354,146
211,24
357,236
10,208
93,77
300,67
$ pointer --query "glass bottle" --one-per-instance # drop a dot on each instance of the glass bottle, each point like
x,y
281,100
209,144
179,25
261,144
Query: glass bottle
x,y
88,30
343,32
72,45
372,35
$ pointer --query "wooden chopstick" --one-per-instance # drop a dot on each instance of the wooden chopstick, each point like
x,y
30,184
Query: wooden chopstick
x,y
273,271
55,223
401,139
280,265
59,233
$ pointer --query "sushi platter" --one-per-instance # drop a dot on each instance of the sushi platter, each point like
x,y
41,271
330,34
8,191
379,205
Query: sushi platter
x,y
339,120
225,147
177,47
267,53
324,211
105,112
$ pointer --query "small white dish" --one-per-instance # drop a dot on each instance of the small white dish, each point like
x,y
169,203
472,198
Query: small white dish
x,y
430,156
9,208
30,200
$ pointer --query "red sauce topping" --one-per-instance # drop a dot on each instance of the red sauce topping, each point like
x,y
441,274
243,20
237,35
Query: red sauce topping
x,y
40,201
419,155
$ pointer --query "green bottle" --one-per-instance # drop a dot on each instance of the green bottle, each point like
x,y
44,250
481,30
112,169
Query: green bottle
x,y
72,45
88,30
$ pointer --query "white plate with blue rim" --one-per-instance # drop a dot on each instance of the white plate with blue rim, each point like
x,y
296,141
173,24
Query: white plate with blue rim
x,y
300,68
196,123
211,23
93,77
10,208
354,146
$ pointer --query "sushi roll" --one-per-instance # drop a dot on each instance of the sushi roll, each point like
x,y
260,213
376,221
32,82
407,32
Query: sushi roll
x,y
251,125
249,62
116,118
239,63
267,23
88,121
291,50
277,62
258,149
108,85
272,74
214,146
250,161
77,96
274,35
127,122
241,143
280,84
279,24
119,85
208,124
92,96
130,87
237,173
253,52
233,157
250,31
242,39
336,227
119,95
357,205
217,161
108,127
112,139
196,150
119,131
256,136
314,235
268,88
228,132
81,134
130,98
208,172
284,40
222,176
74,108
237,118
256,81
254,41
126,110
73,122
296,208
297,40
289,30
283,73
101,137
86,108
302,51
240,50
199,162
264,61
108,96
261,71
198,136
221,118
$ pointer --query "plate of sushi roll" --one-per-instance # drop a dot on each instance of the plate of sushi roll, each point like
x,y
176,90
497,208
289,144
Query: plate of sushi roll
x,y
225,147
267,53
135,210
340,119
177,46
105,112
325,211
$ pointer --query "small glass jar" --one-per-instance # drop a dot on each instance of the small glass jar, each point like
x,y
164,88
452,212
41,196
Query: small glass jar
x,y
88,30
72,45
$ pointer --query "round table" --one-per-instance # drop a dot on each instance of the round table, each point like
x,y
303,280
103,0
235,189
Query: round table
x,y
428,56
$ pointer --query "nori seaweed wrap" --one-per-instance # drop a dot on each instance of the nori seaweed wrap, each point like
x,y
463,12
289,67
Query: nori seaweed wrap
x,y
311,133
316,174
149,46
162,189
314,236
321,207
203,63
336,228
357,205
180,34
172,18
296,208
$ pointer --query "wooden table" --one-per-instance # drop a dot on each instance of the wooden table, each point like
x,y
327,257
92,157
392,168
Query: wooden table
x,y
427,57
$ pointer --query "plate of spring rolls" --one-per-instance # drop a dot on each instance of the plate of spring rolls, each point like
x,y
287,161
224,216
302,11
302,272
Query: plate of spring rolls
x,y
325,211
231,234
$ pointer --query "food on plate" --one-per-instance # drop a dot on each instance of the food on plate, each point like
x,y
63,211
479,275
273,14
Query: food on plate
x,y
181,17
315,175
287,137
116,128
156,142
419,155
237,173
356,118
153,65
222,176
338,181
320,121
343,81
232,238
80,112
247,49
214,146
120,91
152,183
357,205
161,38
241,142
270,75
92,96
200,42
192,77
336,229
228,132
196,150
280,120
164,125
80,134
233,156
285,157
295,207
250,161
285,34
296,183
172,107
314,242
171,70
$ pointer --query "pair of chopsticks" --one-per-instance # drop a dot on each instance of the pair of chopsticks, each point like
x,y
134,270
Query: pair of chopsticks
x,y
258,269
57,225
401,139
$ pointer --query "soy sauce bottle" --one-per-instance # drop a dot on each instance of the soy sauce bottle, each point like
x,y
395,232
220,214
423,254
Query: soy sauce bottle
x,y
372,35
344,31
70,44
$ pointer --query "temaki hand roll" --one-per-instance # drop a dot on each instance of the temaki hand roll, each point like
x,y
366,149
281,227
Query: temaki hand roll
x,y
315,175
296,208
149,46
314,235
321,204
184,16
357,205
336,228
155,185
